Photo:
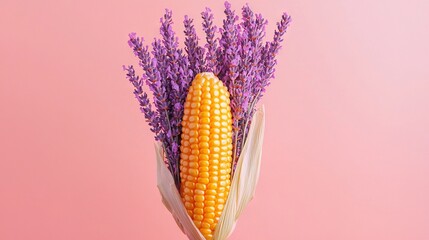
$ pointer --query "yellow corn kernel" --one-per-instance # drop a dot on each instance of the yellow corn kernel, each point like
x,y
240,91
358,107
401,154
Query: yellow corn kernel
x,y
206,151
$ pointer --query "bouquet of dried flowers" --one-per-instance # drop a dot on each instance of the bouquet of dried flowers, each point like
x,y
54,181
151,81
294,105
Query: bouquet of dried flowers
x,y
204,117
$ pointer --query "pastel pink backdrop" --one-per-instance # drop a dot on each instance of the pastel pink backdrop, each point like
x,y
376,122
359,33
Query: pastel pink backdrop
x,y
346,153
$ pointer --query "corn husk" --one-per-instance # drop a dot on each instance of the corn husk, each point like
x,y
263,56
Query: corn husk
x,y
242,186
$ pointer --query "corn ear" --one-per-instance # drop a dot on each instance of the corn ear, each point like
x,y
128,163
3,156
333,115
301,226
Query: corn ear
x,y
242,186
206,151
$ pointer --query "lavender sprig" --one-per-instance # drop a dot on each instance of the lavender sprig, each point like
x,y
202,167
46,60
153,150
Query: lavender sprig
x,y
229,46
151,116
195,52
212,42
270,51
229,69
253,33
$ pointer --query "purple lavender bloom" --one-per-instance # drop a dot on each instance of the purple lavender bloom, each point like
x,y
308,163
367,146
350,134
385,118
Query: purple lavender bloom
x,y
270,51
195,52
229,46
239,58
151,117
212,42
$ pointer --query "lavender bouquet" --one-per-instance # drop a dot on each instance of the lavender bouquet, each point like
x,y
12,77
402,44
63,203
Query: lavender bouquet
x,y
235,58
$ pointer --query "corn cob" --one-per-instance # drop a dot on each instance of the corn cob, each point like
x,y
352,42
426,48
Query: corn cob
x,y
206,151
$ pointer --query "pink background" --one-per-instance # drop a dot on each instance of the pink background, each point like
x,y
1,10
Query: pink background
x,y
346,154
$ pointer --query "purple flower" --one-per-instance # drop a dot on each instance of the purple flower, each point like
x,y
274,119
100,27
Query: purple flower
x,y
195,53
151,116
212,42
270,51
229,47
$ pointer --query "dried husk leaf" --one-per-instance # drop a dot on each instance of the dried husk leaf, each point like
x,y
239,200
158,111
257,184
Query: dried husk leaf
x,y
242,186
